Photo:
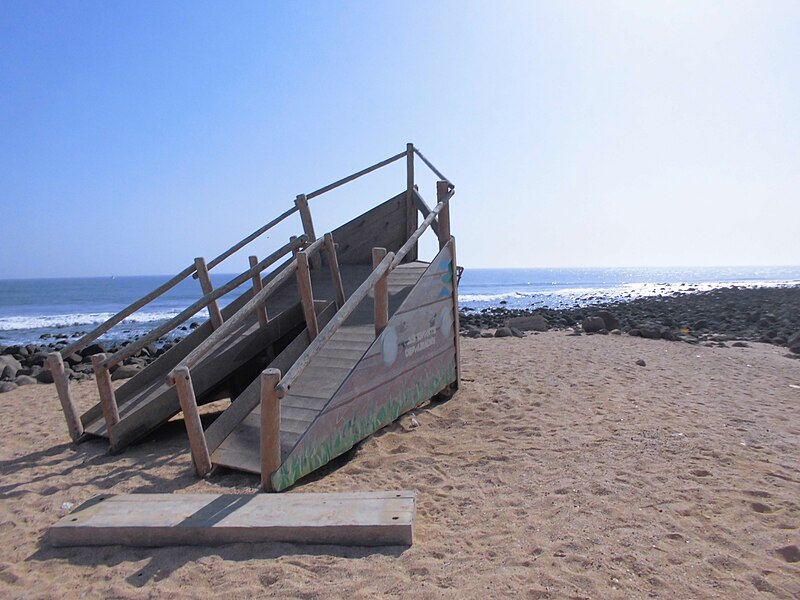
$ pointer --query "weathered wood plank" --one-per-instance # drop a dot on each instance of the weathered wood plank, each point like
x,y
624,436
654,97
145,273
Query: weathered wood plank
x,y
365,519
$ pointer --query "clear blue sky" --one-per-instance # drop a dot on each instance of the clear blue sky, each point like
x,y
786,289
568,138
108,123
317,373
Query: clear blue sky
x,y
137,135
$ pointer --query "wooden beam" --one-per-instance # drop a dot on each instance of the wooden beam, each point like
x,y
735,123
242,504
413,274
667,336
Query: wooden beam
x,y
349,178
442,189
71,415
308,225
351,518
270,427
398,258
258,285
425,210
336,275
108,401
411,209
381,293
205,283
182,380
306,294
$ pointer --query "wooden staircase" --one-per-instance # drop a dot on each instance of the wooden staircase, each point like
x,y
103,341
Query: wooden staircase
x,y
353,329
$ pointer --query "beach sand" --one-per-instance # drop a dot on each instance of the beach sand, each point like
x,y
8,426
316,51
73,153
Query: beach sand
x,y
560,470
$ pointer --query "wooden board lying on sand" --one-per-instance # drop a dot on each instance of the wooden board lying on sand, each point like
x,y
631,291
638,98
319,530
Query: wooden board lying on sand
x,y
357,518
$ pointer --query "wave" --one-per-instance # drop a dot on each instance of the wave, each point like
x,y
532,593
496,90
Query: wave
x,y
22,322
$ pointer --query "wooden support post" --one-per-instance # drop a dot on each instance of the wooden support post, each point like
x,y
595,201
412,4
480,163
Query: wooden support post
x,y
293,241
442,189
308,226
306,294
74,424
108,401
381,293
261,311
182,380
456,323
214,315
336,276
270,427
411,209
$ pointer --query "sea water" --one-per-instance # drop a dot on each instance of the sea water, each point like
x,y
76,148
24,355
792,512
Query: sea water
x,y
36,310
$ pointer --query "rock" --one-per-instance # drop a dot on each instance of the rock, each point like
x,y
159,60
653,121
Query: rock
x,y
125,372
593,324
616,332
531,323
6,360
641,363
7,373
486,334
793,340
7,386
651,332
503,332
740,345
611,322
37,359
24,380
92,349
44,376
73,359
516,332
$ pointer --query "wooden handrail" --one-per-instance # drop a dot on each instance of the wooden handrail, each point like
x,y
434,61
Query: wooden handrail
x,y
432,168
187,313
333,325
126,312
406,248
350,178
238,246
235,320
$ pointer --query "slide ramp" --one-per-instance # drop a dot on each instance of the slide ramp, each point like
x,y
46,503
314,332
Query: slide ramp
x,y
318,383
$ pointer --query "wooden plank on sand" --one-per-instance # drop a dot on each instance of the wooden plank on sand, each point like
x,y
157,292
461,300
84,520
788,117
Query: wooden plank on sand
x,y
352,518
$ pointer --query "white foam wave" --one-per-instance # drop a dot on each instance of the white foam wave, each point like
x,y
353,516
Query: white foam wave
x,y
21,322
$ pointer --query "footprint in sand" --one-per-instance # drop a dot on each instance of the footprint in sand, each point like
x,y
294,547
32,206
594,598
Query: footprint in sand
x,y
760,508
700,473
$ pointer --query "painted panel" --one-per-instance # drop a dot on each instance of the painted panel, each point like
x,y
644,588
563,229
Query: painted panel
x,y
412,359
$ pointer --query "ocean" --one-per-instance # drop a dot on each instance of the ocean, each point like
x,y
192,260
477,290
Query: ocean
x,y
36,310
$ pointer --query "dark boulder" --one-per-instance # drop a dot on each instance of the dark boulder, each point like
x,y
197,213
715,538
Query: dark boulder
x,y
44,376
531,323
503,332
7,386
92,349
610,320
125,372
593,324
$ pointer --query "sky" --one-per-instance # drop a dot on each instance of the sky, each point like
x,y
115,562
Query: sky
x,y
135,136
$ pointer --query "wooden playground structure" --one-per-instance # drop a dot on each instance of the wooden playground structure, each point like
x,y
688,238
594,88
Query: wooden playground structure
x,y
349,332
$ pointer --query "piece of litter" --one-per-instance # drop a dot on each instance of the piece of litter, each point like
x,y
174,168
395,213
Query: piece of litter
x,y
414,422
67,505
797,387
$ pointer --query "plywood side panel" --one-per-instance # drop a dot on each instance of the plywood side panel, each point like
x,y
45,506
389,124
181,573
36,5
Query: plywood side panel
x,y
383,226
412,359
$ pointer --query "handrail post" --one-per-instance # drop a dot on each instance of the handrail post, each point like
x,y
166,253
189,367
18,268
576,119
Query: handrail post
x,y
65,396
261,311
381,293
270,427
214,315
442,189
336,275
306,294
108,401
308,225
411,209
182,380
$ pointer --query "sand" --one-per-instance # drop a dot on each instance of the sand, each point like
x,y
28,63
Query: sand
x,y
560,470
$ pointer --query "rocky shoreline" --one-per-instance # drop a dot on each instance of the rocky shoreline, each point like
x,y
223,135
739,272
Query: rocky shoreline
x,y
719,317
769,315
26,364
